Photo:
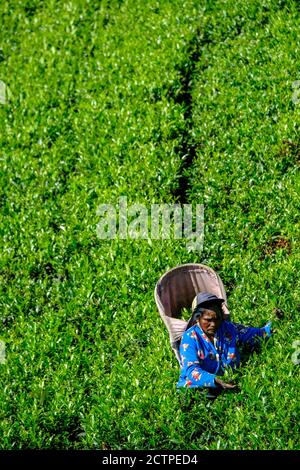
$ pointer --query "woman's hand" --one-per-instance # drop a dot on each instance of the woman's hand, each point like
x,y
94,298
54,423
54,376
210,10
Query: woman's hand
x,y
268,329
224,385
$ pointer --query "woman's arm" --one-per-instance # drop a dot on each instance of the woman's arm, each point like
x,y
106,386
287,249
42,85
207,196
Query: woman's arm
x,y
250,335
194,374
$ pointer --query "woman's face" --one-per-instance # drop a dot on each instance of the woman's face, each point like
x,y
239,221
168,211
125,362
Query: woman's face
x,y
210,321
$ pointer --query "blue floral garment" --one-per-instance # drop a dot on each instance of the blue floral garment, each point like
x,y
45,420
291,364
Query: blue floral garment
x,y
202,360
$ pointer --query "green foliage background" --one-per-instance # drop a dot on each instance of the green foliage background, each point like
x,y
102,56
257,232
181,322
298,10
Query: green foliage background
x,y
162,102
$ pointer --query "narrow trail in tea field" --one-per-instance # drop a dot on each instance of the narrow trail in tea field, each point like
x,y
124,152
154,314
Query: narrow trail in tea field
x,y
188,71
187,149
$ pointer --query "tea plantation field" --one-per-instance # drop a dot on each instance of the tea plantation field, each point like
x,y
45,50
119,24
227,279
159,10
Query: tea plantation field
x,y
159,102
